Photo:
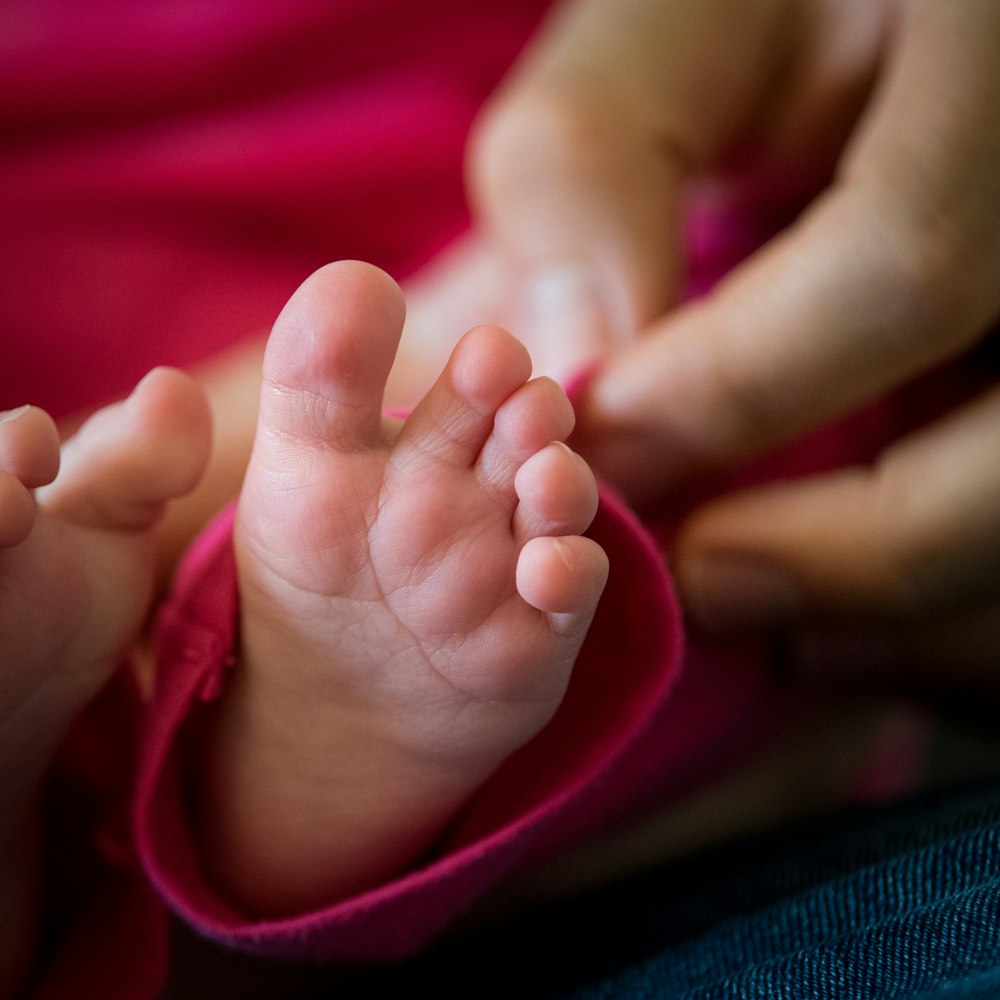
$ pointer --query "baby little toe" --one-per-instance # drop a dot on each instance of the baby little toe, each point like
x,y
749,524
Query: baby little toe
x,y
565,578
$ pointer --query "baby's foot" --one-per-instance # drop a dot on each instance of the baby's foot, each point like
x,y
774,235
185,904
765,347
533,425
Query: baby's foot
x,y
75,558
76,574
413,597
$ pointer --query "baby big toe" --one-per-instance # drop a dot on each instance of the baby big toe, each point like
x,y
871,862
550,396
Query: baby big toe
x,y
328,359
129,459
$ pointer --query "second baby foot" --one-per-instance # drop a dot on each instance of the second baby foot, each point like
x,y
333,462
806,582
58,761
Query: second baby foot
x,y
76,550
76,578
413,597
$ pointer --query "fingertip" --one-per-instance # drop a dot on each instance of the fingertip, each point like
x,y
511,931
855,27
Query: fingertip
x,y
726,592
553,176
575,315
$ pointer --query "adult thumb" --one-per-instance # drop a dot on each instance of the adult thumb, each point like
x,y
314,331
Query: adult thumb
x,y
577,166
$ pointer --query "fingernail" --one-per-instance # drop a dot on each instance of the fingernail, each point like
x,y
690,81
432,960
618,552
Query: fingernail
x,y
572,319
728,593
9,415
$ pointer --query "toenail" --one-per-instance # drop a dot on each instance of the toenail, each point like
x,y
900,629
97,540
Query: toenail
x,y
562,446
9,415
566,554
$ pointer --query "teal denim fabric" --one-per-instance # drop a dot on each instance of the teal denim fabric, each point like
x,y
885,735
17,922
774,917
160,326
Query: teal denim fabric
x,y
896,901
902,902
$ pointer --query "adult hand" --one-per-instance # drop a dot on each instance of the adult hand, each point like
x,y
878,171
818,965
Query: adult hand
x,y
577,172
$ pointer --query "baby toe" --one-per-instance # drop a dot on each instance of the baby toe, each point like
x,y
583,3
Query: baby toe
x,y
557,494
29,446
17,510
533,417
563,577
328,358
454,420
129,459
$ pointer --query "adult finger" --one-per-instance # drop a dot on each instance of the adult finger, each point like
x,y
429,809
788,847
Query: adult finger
x,y
895,269
949,659
913,536
577,165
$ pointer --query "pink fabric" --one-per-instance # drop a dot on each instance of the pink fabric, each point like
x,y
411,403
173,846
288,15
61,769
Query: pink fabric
x,y
169,172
